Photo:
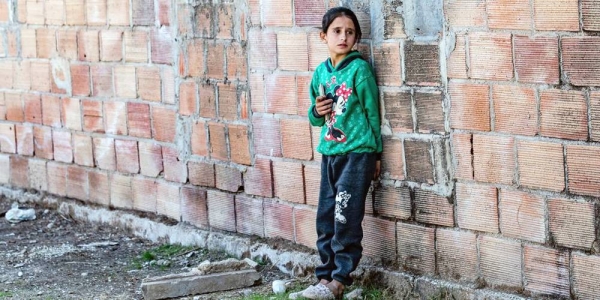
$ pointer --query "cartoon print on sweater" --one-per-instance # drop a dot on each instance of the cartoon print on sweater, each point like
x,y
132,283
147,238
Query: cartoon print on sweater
x,y
340,96
341,202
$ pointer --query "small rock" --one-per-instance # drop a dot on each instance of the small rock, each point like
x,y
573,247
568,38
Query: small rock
x,y
40,293
356,294
19,265
84,274
20,274
196,298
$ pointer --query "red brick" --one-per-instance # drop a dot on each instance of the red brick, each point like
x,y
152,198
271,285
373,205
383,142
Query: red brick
x,y
224,21
168,86
392,165
149,83
584,273
138,116
594,116
35,12
199,139
493,159
308,13
292,51
22,75
541,165
14,107
127,156
93,120
236,61
7,69
104,153
419,164
60,79
305,226
422,64
174,169
194,206
215,60
288,181
28,43
164,124
142,12
24,135
99,187
118,12
111,45
40,70
218,144
476,207
433,209
2,107
398,110
379,238
115,115
164,12
515,110
284,86
80,80
4,12
195,59
500,261
258,179
221,210
304,102
546,271
8,142
430,112
491,55
204,24
563,114
296,139
33,108
201,173
83,150
42,141
536,59
5,165
465,13
522,216
266,135
590,12
278,220
75,12
388,64
208,101
102,80
151,161
572,223
470,106
239,144
558,15
37,174
19,171
63,147
509,14
121,191
228,178
184,18
416,248
161,46
579,63
263,48
125,81
188,102
57,178
136,46
249,215
88,45
71,113
312,182
228,101
77,183
457,254
67,43
393,202
96,12
12,46
45,42
144,193
317,50
277,12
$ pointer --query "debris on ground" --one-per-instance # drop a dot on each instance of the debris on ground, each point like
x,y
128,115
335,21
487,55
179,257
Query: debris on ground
x,y
17,214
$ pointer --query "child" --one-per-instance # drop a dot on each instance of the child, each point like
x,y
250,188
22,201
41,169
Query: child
x,y
345,102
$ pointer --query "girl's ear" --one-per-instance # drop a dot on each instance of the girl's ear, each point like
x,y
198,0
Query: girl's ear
x,y
323,36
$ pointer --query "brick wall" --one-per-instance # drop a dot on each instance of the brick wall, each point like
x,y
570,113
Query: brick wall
x,y
197,111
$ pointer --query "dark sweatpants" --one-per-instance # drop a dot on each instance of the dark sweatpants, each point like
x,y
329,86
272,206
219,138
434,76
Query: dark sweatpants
x,y
345,181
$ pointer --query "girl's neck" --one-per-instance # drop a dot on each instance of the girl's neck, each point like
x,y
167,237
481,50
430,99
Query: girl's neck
x,y
336,58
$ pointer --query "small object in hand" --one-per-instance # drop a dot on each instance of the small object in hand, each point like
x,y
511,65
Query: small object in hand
x,y
322,93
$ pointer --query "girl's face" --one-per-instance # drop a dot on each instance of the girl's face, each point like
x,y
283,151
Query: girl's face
x,y
340,37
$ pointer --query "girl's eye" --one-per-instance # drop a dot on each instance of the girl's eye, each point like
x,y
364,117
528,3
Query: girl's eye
x,y
337,31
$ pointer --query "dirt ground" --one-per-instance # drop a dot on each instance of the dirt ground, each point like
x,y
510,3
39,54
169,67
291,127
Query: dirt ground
x,y
54,257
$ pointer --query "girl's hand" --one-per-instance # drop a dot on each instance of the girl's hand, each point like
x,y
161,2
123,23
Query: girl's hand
x,y
377,169
323,105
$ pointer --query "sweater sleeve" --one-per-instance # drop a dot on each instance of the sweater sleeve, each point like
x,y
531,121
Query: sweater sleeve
x,y
368,94
313,117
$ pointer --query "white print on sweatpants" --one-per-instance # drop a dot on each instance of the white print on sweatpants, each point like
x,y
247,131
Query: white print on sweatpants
x,y
341,202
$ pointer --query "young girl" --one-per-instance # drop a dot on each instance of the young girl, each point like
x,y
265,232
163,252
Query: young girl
x,y
345,103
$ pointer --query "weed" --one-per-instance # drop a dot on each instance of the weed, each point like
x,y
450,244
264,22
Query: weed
x,y
5,295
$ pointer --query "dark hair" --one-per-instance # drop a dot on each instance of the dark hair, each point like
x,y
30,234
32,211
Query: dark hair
x,y
335,12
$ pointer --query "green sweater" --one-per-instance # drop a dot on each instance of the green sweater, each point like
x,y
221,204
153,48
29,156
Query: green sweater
x,y
354,123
